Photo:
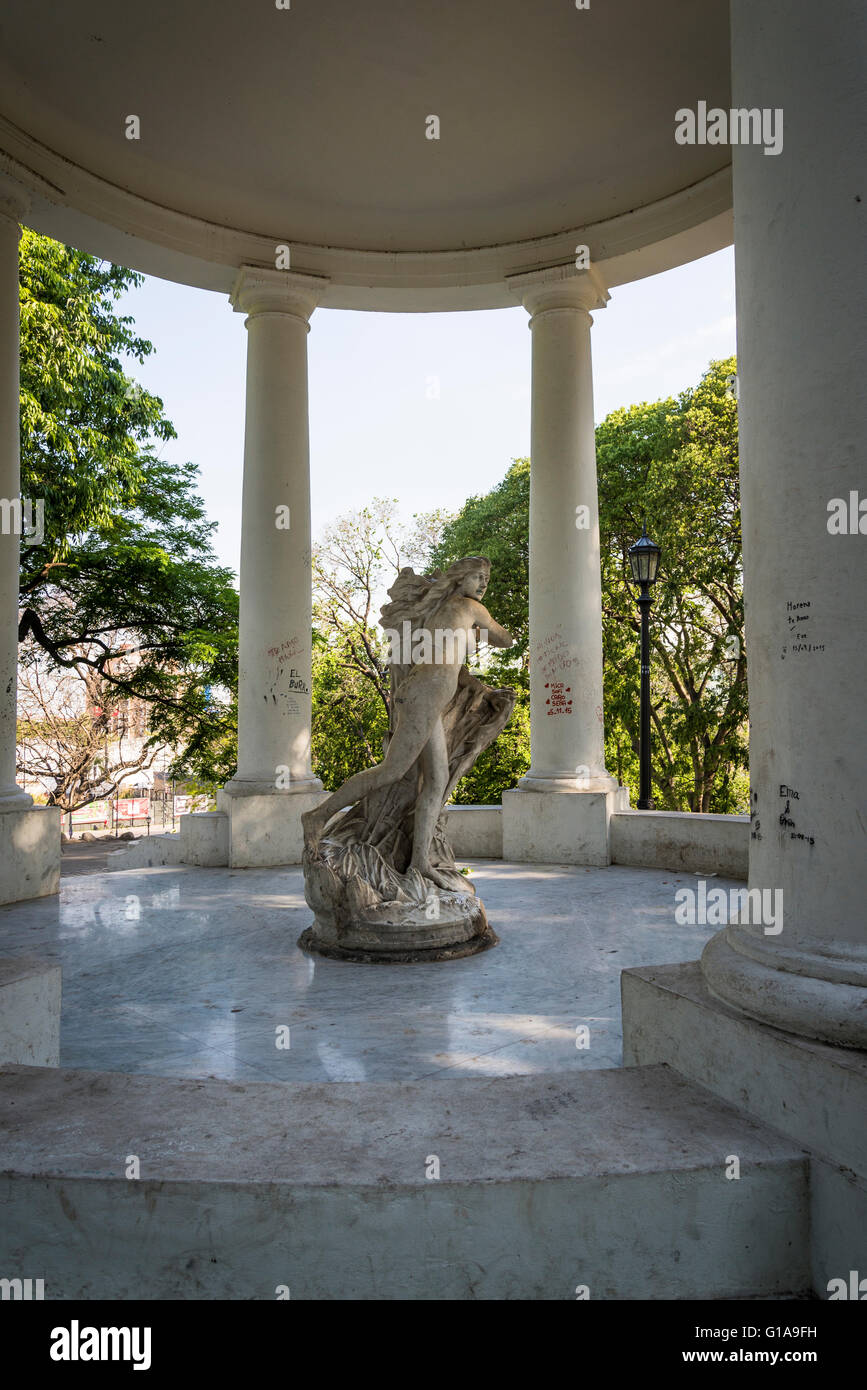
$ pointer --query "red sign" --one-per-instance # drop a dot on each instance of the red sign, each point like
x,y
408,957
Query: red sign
x,y
133,808
94,813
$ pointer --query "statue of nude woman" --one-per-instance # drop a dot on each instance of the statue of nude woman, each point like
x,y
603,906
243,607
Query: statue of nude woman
x,y
450,618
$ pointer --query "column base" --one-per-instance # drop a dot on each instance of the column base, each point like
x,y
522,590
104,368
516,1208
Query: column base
x,y
247,786
813,1093
566,782
29,850
563,826
264,830
828,1010
14,798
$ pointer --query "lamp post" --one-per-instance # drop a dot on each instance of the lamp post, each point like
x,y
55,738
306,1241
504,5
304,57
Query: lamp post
x,y
644,562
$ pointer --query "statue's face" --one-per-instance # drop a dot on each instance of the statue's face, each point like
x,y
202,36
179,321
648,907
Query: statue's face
x,y
475,583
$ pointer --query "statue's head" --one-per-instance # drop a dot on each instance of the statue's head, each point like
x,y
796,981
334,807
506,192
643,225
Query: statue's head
x,y
470,576
416,598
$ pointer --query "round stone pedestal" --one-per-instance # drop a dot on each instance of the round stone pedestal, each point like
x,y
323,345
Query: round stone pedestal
x,y
394,932
367,911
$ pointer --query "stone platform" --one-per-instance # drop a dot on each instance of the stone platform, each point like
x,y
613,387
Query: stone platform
x,y
812,1092
537,1187
188,972
462,1130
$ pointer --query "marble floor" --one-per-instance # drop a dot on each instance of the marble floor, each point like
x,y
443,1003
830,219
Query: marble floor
x,y
195,972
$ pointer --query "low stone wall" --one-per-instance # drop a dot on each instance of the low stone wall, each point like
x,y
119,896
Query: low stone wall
x,y
152,852
29,1012
643,839
475,832
680,840
29,853
205,838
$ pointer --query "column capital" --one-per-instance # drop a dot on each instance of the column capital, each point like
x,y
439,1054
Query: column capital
x,y
260,290
14,198
559,287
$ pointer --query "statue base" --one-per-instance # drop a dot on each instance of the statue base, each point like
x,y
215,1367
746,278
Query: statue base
x,y
391,934
367,911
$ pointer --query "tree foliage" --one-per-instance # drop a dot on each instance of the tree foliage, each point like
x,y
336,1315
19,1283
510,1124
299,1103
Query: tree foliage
x,y
124,582
496,524
354,564
675,463
73,740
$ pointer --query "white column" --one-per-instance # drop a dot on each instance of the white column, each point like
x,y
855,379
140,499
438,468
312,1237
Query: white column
x,y
274,679
29,835
802,309
566,722
567,744
566,726
14,204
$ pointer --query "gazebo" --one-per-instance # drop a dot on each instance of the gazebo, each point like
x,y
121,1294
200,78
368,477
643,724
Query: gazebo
x,y
408,159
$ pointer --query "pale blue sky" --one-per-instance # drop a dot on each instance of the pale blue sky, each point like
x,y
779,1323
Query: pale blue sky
x,y
374,431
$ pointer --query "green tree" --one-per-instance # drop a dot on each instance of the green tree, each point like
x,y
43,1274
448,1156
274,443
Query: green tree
x,y
675,463
497,525
349,718
124,581
354,563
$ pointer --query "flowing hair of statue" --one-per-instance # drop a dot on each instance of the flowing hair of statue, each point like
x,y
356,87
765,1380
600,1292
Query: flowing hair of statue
x,y
415,599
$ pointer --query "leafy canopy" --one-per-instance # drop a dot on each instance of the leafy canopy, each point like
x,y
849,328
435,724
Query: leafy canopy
x,y
124,583
675,463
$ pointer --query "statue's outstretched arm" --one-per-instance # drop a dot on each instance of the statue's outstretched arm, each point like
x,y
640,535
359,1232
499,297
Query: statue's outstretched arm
x,y
494,634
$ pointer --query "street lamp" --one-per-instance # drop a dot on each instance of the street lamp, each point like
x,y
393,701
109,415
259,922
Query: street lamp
x,y
644,562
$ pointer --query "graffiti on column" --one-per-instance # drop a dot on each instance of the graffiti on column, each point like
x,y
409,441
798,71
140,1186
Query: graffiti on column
x,y
800,635
786,818
291,647
557,700
288,678
554,660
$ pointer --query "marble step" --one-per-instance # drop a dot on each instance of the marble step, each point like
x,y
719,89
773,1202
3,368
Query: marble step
x,y
531,1187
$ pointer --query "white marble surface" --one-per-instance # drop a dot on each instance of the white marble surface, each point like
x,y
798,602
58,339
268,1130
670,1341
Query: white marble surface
x,y
189,971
